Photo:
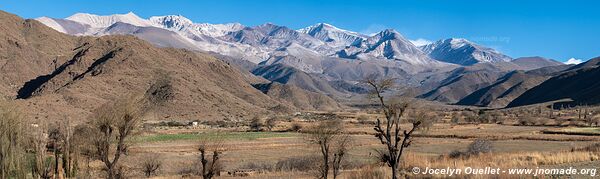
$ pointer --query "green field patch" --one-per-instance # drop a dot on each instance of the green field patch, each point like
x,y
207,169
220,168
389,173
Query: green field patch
x,y
213,136
593,131
584,129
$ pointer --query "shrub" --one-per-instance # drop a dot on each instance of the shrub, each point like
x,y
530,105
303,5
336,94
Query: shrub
x,y
262,166
256,124
369,173
151,165
302,163
271,123
455,118
296,127
523,121
456,154
591,148
479,146
363,119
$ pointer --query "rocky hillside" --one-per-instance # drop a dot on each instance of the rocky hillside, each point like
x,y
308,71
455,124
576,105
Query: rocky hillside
x,y
299,98
579,84
55,74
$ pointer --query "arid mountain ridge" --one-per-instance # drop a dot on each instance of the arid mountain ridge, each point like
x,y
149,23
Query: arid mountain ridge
x,y
77,73
58,74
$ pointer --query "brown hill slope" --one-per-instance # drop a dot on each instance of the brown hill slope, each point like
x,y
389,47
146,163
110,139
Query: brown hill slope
x,y
77,74
579,83
503,91
298,97
509,87
27,50
463,81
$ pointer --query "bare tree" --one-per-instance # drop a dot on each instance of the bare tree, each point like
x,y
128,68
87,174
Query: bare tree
x,y
389,131
41,167
112,125
333,145
341,148
81,135
209,163
151,165
115,122
12,142
68,147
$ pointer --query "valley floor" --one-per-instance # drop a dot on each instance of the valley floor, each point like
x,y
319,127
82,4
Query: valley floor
x,y
252,152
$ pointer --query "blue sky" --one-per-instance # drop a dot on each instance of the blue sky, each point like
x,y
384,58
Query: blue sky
x,y
554,29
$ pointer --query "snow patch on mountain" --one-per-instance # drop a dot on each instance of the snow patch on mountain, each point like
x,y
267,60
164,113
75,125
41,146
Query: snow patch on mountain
x,y
96,21
51,23
573,61
463,52
420,42
332,35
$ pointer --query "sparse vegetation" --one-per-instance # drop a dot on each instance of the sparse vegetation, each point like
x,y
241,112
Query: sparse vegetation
x,y
296,127
479,146
270,123
302,163
12,142
256,124
151,165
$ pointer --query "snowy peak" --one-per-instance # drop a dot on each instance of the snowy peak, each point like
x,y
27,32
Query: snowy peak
x,y
182,24
387,44
218,30
96,21
332,35
388,34
171,21
459,42
463,52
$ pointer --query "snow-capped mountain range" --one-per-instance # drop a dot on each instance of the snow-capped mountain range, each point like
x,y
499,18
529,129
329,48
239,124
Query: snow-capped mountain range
x,y
463,52
269,43
319,58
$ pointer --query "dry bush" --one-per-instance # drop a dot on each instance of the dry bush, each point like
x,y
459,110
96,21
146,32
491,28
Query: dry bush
x,y
455,119
364,119
270,123
479,146
476,147
425,119
369,172
302,163
296,127
256,124
12,142
501,160
527,121
151,165
456,154
258,166
590,148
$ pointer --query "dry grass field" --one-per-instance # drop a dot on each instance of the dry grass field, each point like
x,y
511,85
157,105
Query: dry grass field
x,y
262,154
